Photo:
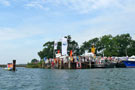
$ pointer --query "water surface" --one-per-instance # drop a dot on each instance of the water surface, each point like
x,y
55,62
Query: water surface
x,y
87,79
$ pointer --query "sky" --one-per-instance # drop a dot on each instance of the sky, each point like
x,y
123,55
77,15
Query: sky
x,y
25,25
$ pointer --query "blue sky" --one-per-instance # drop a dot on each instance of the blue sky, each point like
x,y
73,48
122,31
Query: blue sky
x,y
25,25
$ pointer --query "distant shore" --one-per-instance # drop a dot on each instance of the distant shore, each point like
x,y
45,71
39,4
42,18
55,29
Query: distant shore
x,y
17,65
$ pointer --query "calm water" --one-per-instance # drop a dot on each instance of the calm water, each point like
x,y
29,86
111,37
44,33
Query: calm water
x,y
89,79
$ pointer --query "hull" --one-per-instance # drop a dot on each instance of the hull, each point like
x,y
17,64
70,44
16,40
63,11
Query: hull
x,y
99,66
8,69
129,64
110,65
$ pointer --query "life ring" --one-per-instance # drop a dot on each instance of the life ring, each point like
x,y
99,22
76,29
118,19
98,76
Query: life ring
x,y
78,65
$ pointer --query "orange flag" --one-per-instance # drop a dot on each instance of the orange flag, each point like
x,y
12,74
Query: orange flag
x,y
71,53
58,51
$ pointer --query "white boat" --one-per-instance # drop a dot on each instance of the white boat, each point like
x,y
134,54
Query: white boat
x,y
132,58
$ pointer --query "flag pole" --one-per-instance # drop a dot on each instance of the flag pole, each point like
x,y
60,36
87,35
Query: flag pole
x,y
53,49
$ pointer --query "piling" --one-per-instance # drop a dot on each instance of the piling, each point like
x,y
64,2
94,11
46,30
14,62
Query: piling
x,y
90,63
14,65
43,64
69,64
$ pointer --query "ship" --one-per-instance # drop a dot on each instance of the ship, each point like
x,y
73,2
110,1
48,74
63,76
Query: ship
x,y
9,67
130,62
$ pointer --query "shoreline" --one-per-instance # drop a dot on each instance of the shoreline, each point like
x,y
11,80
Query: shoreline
x,y
17,65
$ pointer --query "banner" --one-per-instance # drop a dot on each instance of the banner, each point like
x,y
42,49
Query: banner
x,y
64,46
55,45
45,58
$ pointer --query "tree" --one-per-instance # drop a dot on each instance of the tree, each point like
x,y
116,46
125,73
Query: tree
x,y
72,45
106,44
34,60
47,50
88,45
120,45
123,42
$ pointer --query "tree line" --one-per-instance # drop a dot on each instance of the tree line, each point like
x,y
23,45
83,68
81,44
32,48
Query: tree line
x,y
107,45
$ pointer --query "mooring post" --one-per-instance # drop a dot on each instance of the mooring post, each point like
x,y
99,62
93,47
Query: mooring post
x,y
60,64
89,63
43,64
14,65
69,64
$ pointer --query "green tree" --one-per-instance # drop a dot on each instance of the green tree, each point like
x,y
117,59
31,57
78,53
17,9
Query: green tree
x,y
72,45
34,60
123,43
88,45
47,50
120,45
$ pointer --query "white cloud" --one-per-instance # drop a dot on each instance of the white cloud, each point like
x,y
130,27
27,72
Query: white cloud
x,y
5,2
116,22
85,6
82,6
12,34
36,4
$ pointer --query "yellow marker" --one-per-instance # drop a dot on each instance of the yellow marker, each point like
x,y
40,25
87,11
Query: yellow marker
x,y
93,49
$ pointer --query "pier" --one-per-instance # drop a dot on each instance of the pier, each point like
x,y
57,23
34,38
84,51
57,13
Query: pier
x,y
81,62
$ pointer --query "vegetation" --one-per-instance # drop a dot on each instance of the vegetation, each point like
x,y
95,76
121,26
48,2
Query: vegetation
x,y
48,49
120,45
107,45
34,64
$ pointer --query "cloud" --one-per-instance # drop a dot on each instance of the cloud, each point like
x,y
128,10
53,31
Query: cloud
x,y
5,2
13,34
85,6
36,4
81,6
116,22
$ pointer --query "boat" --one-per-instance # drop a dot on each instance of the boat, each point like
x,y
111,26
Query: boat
x,y
130,62
9,67
99,63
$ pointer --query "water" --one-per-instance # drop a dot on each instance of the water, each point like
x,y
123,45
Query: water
x,y
47,79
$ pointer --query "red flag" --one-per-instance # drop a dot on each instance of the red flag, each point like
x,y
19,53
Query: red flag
x,y
71,53
58,51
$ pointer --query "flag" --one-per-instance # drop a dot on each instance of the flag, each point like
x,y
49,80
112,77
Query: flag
x,y
71,53
45,58
64,46
55,45
58,51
